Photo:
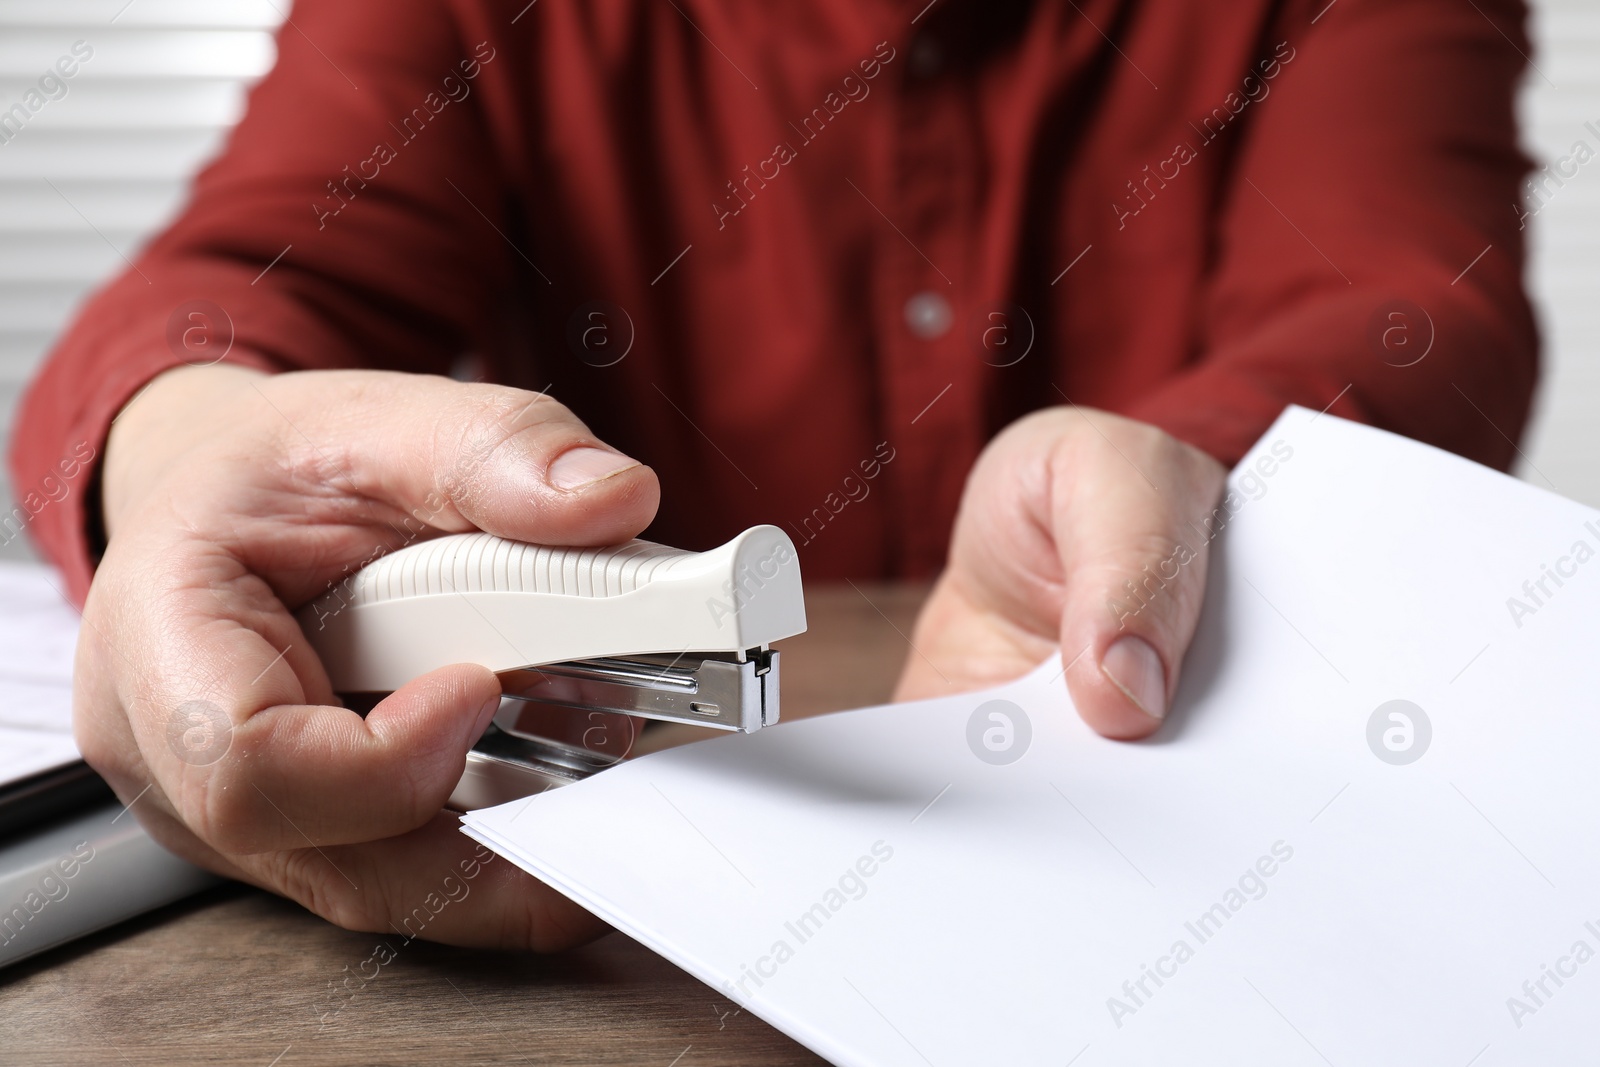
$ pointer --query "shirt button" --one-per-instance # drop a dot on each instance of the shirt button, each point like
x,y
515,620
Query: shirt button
x,y
928,315
927,57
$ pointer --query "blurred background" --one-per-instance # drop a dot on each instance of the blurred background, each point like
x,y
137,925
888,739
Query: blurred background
x,y
92,174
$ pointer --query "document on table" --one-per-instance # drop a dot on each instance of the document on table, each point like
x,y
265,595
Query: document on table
x,y
131,874
38,634
1366,835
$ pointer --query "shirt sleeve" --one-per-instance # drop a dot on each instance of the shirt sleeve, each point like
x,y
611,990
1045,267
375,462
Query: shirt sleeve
x,y
1370,247
342,226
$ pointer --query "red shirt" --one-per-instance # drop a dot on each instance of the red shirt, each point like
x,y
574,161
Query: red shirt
x,y
805,259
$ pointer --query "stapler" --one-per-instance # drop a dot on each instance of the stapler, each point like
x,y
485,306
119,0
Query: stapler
x,y
585,641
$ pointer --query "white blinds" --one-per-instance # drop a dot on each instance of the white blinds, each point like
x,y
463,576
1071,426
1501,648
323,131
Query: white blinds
x,y
1564,448
92,164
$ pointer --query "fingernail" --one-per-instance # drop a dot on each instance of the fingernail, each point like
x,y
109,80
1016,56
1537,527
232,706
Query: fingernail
x,y
1135,668
579,467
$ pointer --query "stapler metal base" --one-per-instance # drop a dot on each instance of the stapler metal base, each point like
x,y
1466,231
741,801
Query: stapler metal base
x,y
600,699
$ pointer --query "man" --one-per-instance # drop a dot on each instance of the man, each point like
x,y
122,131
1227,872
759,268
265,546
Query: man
x,y
821,265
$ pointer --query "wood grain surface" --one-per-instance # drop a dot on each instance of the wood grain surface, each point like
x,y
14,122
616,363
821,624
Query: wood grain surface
x,y
237,976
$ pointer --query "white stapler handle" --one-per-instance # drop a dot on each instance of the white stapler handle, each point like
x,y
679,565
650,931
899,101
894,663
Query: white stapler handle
x,y
477,598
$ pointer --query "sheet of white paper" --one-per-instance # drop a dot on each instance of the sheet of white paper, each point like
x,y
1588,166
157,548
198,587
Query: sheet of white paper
x,y
38,634
1255,885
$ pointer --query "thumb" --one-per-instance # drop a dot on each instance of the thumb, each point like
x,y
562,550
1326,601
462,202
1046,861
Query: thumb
x,y
459,456
1134,563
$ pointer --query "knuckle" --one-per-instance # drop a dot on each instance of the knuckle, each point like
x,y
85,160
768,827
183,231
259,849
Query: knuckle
x,y
544,923
1155,579
486,425
424,791
310,878
222,812
318,469
1134,553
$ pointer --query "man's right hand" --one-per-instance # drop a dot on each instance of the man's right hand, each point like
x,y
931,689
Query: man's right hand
x,y
232,498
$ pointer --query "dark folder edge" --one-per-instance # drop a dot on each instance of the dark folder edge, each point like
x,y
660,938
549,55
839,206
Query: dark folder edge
x,y
31,803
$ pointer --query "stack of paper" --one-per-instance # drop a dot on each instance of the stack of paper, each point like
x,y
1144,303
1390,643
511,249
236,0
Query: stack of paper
x,y
38,633
1297,870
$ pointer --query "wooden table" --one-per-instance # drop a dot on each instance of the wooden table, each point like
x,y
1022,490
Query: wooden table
x,y
235,976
